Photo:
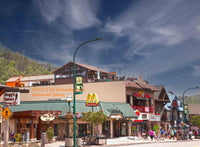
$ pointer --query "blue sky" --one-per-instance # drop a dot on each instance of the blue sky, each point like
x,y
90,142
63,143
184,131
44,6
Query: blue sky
x,y
159,40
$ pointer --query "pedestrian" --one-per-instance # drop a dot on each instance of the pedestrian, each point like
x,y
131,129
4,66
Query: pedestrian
x,y
172,134
151,134
162,133
190,135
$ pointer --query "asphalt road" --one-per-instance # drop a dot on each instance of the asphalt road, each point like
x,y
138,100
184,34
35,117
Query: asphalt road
x,y
167,144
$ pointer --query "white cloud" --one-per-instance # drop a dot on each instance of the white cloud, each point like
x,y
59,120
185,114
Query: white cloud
x,y
159,34
76,14
196,70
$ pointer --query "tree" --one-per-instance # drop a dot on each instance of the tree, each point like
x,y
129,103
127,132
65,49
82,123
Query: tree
x,y
95,118
50,134
195,120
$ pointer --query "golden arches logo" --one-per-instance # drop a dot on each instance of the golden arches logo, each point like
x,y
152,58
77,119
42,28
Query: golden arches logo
x,y
92,99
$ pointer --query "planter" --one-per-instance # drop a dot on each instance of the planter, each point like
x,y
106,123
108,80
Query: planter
x,y
68,141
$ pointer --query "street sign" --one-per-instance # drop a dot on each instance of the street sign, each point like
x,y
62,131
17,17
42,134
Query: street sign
x,y
79,84
6,113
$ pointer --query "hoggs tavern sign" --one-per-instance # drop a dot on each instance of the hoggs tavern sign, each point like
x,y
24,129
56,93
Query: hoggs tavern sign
x,y
11,98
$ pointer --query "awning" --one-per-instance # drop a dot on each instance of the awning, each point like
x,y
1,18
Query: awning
x,y
62,106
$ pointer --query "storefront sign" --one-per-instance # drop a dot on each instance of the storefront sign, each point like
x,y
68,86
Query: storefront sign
x,y
11,98
92,100
137,112
142,117
79,84
141,95
154,117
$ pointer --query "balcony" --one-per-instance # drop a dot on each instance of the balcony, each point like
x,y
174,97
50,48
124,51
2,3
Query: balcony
x,y
143,109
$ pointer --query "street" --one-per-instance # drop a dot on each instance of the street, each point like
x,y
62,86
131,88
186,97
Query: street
x,y
168,144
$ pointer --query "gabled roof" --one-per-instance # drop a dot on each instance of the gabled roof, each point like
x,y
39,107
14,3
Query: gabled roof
x,y
13,79
132,84
39,77
157,94
89,67
194,109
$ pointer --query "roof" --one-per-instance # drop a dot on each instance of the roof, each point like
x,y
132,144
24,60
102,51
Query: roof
x,y
132,84
89,67
62,105
158,95
39,77
194,108
13,79
4,88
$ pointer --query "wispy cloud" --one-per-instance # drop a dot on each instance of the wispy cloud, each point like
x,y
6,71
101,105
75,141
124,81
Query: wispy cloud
x,y
76,14
158,32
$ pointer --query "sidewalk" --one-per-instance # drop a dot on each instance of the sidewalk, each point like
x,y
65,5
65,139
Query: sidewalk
x,y
119,141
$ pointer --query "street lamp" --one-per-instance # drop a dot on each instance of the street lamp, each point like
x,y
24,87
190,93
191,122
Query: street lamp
x,y
69,99
74,91
184,107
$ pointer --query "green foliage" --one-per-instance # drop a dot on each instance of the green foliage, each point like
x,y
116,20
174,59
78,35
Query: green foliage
x,y
15,64
94,117
50,134
195,120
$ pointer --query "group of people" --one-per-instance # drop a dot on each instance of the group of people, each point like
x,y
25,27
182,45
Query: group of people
x,y
177,134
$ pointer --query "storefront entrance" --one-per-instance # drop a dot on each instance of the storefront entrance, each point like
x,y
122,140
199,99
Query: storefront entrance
x,y
120,128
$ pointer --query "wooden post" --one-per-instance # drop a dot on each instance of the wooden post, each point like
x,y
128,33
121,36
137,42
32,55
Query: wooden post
x,y
31,129
6,133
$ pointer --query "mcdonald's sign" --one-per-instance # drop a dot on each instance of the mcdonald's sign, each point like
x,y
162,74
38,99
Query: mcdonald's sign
x,y
92,100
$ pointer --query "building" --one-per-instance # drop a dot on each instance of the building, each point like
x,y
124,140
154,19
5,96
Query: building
x,y
25,81
173,111
194,109
116,96
161,98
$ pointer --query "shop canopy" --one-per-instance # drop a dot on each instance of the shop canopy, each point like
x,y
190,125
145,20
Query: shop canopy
x,y
4,88
61,106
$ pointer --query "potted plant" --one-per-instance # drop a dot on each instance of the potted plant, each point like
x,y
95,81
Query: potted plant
x,y
50,134
69,114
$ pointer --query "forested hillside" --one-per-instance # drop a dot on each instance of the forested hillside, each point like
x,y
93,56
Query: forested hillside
x,y
13,64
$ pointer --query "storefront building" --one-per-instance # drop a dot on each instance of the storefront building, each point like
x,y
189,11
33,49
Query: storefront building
x,y
137,94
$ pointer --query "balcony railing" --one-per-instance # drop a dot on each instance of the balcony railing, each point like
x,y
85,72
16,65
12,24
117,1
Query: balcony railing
x,y
143,109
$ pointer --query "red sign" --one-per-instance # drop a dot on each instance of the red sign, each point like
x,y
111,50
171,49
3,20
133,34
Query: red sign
x,y
140,95
137,112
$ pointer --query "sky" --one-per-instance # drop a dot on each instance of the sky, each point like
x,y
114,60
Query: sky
x,y
157,39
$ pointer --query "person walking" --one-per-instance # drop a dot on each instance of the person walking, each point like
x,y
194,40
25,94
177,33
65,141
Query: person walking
x,y
151,134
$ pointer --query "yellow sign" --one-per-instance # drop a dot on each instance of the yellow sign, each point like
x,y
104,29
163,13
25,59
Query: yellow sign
x,y
92,99
6,113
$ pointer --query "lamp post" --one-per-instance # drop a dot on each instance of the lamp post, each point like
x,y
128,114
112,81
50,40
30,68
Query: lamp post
x,y
69,99
184,107
74,86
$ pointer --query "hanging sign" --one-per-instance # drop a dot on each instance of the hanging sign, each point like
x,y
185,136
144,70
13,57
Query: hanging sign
x,y
79,84
92,100
47,117
11,98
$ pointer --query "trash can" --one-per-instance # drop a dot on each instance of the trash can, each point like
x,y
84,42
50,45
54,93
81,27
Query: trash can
x,y
78,141
68,141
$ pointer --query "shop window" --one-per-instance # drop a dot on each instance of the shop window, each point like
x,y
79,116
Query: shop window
x,y
106,128
128,99
84,129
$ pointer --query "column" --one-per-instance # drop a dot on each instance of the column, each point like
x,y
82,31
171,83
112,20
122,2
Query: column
x,y
129,127
31,129
51,124
111,128
39,128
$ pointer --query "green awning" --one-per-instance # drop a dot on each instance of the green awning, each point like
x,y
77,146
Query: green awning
x,y
62,105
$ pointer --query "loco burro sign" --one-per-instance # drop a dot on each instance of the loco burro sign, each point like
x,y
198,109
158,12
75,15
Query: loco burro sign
x,y
11,98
